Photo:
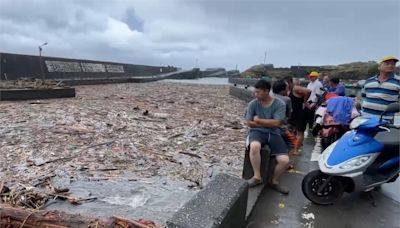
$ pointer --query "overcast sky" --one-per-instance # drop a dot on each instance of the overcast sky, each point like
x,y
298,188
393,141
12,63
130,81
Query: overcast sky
x,y
219,33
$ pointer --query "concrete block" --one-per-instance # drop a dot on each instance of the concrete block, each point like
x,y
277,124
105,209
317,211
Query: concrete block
x,y
243,81
29,94
222,203
265,164
241,93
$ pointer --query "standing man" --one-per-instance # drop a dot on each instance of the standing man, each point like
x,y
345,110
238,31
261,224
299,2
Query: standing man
x,y
265,115
315,86
381,90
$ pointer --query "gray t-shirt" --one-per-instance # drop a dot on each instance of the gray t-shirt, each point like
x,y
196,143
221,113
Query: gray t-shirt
x,y
287,102
275,111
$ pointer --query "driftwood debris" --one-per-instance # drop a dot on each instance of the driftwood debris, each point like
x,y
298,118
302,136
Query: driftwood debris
x,y
16,217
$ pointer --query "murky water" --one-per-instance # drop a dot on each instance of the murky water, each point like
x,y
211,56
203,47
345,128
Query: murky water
x,y
224,81
155,200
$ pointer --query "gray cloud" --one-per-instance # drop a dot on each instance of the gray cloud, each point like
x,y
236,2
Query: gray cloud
x,y
217,33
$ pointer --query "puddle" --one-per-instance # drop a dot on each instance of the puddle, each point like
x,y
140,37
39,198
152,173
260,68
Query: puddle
x,y
155,200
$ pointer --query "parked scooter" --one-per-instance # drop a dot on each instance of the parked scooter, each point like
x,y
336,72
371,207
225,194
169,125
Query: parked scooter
x,y
328,129
362,159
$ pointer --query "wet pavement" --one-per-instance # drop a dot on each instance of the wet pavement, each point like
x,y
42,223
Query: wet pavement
x,y
353,210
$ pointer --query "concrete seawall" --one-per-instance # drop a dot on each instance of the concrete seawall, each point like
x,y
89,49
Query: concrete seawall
x,y
15,66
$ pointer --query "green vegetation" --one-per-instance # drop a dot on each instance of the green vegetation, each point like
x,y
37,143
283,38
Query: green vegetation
x,y
348,71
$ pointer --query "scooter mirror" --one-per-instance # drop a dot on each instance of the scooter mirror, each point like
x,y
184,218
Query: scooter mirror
x,y
392,108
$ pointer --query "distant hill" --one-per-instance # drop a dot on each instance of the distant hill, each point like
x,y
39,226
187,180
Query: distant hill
x,y
348,71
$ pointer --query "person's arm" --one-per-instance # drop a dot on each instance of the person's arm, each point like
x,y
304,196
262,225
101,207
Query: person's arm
x,y
305,93
250,115
290,108
269,123
277,117
253,123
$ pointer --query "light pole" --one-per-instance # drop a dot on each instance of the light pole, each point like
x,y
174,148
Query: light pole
x,y
40,58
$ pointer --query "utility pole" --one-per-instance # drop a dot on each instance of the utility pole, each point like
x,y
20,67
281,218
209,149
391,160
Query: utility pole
x,y
40,59
265,55
195,66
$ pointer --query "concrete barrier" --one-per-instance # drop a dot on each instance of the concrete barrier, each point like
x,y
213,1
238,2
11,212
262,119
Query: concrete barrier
x,y
267,165
243,81
15,66
222,203
241,93
28,94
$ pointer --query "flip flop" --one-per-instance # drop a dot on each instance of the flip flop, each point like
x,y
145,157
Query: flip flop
x,y
279,188
254,182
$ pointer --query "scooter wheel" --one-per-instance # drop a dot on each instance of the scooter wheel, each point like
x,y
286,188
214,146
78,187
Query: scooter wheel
x,y
331,193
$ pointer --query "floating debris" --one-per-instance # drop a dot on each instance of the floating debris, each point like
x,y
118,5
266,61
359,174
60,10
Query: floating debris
x,y
172,130
30,84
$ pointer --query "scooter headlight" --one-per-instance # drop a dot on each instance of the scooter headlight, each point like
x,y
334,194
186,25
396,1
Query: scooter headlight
x,y
355,162
357,122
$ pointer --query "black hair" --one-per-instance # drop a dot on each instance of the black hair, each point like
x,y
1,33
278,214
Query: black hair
x,y
263,84
335,80
279,86
288,79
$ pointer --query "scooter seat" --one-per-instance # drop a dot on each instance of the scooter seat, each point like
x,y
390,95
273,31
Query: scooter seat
x,y
390,139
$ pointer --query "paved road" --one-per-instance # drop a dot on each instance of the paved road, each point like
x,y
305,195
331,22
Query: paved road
x,y
353,211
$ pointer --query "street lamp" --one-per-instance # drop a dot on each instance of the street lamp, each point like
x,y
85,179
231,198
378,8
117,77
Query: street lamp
x,y
40,58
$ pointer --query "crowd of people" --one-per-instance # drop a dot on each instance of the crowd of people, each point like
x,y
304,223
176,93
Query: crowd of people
x,y
279,118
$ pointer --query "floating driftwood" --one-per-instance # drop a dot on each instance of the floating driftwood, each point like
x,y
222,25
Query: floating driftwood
x,y
17,217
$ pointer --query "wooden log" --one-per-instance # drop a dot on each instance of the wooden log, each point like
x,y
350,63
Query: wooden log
x,y
17,217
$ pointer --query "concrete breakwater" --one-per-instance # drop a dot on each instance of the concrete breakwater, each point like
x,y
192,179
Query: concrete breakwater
x,y
15,66
80,71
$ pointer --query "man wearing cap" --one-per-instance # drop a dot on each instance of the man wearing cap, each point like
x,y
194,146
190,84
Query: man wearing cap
x,y
381,90
315,86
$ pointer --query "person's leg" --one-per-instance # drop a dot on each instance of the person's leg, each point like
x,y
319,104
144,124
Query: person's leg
x,y
290,141
255,158
279,150
280,168
300,139
300,126
256,139
310,118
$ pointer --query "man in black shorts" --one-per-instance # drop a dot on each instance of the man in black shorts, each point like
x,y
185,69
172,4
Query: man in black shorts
x,y
265,115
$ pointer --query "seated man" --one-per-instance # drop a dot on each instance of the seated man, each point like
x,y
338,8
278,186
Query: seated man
x,y
265,115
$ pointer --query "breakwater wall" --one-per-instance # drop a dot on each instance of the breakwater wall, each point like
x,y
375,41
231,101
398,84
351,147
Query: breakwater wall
x,y
16,66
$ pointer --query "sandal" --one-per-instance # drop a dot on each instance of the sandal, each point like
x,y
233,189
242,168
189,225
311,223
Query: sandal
x,y
279,188
254,182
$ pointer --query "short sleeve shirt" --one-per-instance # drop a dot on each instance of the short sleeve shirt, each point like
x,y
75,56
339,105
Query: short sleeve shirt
x,y
275,111
315,88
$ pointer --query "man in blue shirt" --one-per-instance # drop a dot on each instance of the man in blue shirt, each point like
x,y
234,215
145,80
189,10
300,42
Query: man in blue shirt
x,y
265,115
336,87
